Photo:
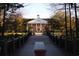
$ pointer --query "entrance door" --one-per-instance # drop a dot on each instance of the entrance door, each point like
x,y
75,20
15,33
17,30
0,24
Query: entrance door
x,y
38,29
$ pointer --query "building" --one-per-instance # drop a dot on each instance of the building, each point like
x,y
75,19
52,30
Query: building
x,y
37,25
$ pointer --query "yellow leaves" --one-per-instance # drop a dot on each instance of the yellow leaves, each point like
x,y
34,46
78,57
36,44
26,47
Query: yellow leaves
x,y
60,18
59,15
19,19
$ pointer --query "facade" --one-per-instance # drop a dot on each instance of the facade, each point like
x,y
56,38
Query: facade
x,y
37,25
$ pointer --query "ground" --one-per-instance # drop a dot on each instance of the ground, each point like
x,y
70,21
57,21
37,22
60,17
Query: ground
x,y
27,49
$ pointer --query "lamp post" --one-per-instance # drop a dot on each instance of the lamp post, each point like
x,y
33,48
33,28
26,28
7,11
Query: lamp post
x,y
3,31
70,21
76,20
65,28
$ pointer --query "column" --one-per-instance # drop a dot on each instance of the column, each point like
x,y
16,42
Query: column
x,y
27,27
32,27
36,27
41,28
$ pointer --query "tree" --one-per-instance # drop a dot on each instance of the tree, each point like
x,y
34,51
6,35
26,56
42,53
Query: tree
x,y
6,7
58,21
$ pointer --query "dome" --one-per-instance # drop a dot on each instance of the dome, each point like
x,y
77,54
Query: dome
x,y
38,20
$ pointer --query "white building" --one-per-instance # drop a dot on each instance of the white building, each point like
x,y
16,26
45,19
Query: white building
x,y
37,25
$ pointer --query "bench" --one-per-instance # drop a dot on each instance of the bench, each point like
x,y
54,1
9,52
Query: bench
x,y
39,49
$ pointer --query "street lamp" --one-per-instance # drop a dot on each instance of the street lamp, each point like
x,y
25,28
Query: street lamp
x,y
65,28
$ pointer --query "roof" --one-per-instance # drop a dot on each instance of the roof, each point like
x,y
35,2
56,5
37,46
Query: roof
x,y
38,20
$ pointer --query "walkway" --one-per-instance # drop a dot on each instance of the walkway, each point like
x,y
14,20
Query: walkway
x,y
27,49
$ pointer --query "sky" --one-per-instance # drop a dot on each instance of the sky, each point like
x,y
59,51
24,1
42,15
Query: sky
x,y
33,9
45,10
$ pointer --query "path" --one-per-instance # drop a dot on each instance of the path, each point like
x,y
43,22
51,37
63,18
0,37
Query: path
x,y
27,49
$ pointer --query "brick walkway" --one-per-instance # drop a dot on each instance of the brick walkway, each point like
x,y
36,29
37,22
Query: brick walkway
x,y
27,49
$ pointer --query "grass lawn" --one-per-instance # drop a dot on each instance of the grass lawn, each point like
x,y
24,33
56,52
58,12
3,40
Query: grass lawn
x,y
18,33
56,33
10,35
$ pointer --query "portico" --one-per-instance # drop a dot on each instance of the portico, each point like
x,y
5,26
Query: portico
x,y
37,25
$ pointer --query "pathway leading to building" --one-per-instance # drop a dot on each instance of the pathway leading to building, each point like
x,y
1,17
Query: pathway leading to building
x,y
27,49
